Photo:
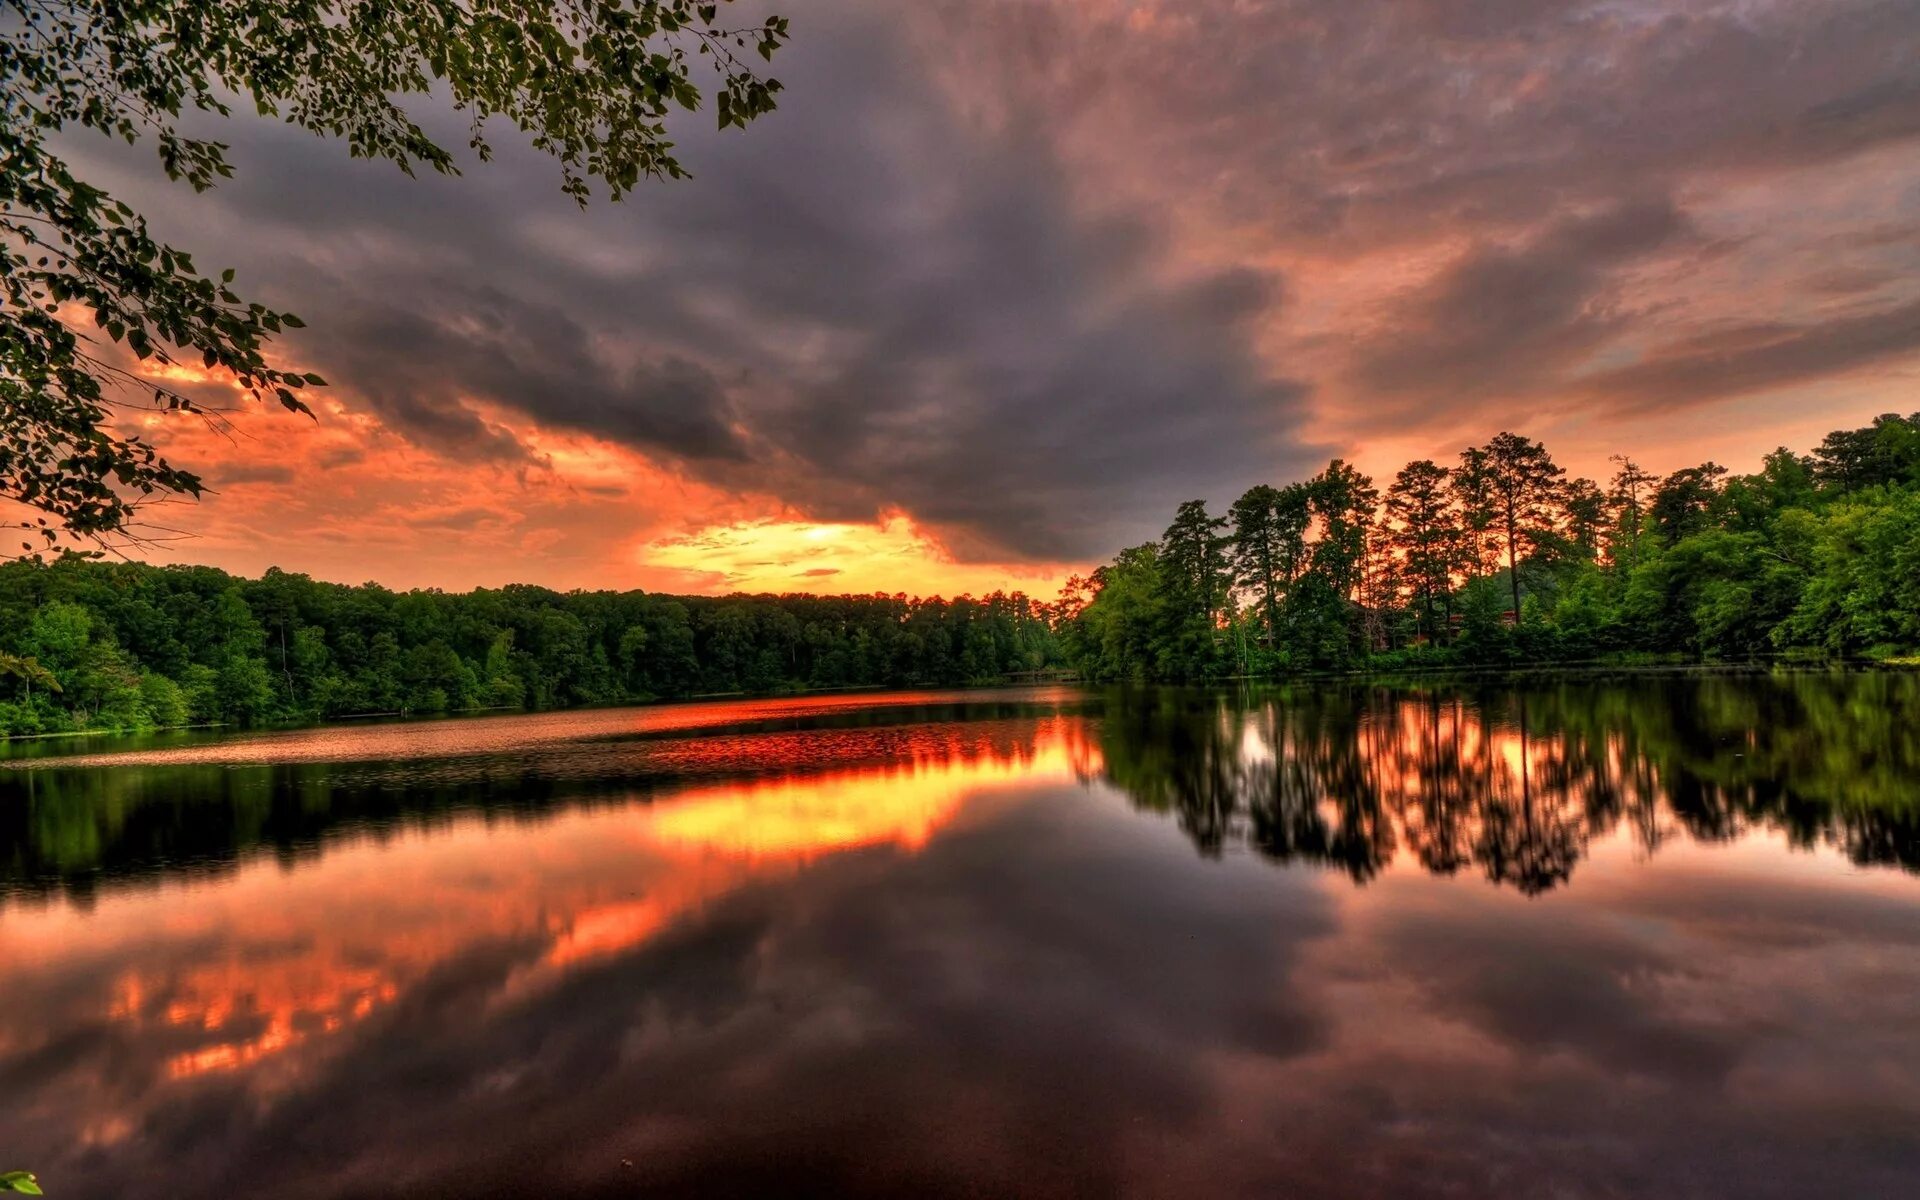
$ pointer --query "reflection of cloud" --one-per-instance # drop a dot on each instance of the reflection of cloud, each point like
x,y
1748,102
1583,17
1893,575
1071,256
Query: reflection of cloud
x,y
237,980
872,982
902,805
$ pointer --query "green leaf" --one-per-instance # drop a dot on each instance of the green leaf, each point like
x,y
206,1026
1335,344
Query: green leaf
x,y
592,85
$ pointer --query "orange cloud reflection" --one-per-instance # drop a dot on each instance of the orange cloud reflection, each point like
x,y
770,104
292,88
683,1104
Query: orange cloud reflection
x,y
263,971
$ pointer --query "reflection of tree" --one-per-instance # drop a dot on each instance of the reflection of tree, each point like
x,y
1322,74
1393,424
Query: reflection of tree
x,y
1514,782
1519,781
74,829
1437,816
1531,831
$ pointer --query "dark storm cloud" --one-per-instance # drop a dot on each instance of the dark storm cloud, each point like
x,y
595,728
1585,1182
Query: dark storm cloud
x,y
1502,319
949,275
1499,130
1757,357
871,302
420,364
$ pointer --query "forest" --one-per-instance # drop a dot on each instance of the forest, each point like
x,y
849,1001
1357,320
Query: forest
x,y
94,645
1500,558
1497,559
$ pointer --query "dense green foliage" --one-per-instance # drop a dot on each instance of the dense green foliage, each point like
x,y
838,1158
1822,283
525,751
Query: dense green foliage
x,y
589,82
91,645
1502,559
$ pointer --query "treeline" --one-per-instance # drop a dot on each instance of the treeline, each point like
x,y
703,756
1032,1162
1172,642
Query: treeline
x,y
92,645
1498,558
1501,557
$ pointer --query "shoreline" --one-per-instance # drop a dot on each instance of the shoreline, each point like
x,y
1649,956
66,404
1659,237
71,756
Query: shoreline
x,y
1585,669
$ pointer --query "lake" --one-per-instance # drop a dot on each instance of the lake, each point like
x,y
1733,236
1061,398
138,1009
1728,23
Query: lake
x,y
1645,936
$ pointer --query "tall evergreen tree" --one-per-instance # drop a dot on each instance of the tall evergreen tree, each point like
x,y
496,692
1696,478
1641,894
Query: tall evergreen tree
x,y
1343,501
1257,550
1586,514
1195,554
1522,491
1424,533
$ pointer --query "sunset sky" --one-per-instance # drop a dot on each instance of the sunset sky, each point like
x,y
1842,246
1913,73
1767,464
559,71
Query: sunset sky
x,y
1003,281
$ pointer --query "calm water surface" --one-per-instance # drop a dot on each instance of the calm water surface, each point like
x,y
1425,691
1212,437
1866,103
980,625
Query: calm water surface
x,y
1648,937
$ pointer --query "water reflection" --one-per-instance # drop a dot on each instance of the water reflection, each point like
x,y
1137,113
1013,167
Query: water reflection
x,y
264,973
928,946
1517,782
71,825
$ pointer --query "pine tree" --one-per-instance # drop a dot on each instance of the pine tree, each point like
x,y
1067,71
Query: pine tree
x,y
1521,491
1424,533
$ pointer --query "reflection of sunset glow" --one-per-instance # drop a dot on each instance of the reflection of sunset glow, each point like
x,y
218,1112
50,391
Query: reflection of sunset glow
x,y
228,999
773,826
901,806
266,967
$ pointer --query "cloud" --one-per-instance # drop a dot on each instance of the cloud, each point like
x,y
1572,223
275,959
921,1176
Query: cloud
x,y
240,474
1758,357
1033,272
874,302
456,340
1504,319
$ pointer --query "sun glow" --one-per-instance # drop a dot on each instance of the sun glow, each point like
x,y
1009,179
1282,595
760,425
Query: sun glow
x,y
892,554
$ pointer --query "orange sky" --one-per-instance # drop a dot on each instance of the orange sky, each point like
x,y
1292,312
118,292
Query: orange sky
x,y
344,498
999,286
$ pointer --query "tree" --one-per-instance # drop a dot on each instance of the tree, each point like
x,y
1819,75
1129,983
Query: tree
x,y
1423,532
1195,554
591,82
1472,497
1686,500
1887,451
1785,481
1631,487
1344,500
1627,496
1122,631
1258,549
28,671
1521,486
1586,512
1776,560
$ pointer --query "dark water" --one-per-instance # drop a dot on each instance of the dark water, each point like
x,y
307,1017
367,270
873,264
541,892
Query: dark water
x,y
1653,937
